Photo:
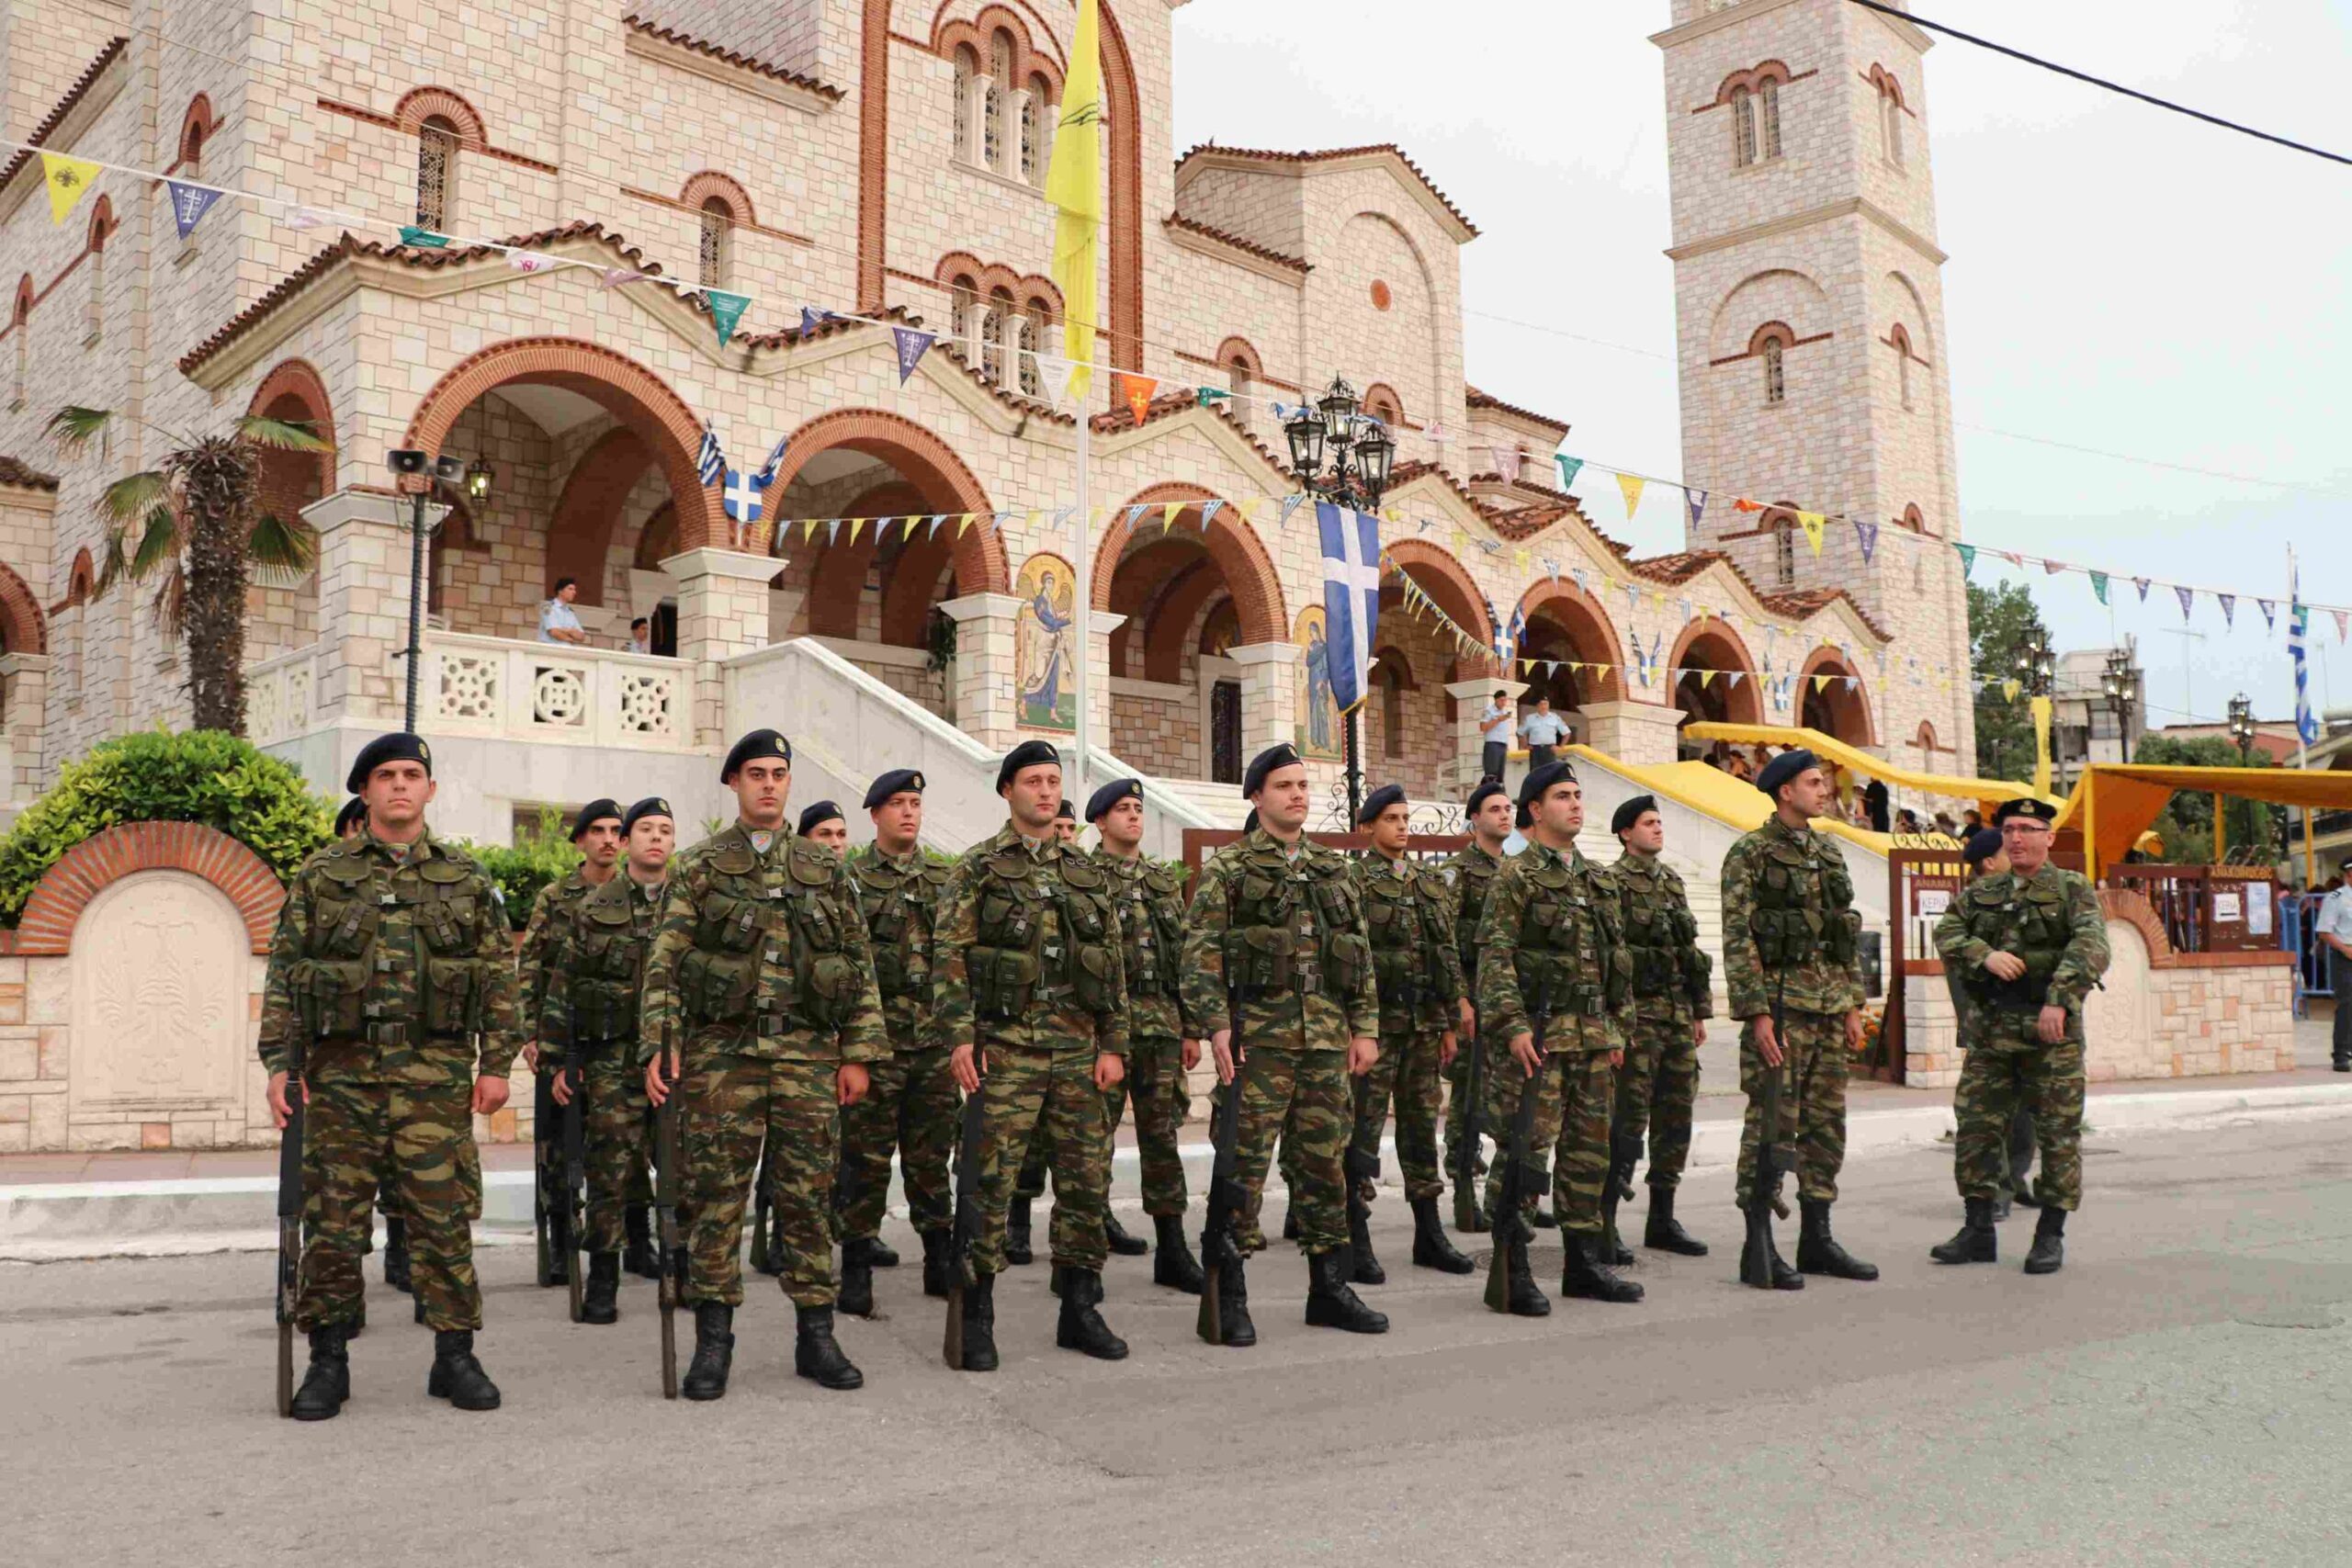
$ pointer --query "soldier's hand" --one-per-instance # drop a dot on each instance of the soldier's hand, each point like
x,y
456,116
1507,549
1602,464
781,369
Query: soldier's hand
x,y
531,1055
1362,1052
1698,1031
559,1087
962,1062
1854,1031
850,1083
1768,1041
1221,1049
490,1094
1110,1071
657,1088
2052,1025
2004,965
1448,1048
1617,1057
1523,1046
277,1106
1189,1054
1469,1016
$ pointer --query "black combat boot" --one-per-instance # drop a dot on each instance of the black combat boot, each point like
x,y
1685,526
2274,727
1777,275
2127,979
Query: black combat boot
x,y
1367,1268
1331,1302
857,1276
880,1252
1666,1234
1761,1263
637,1251
2025,1194
713,1351
328,1382
1976,1241
1233,1305
1525,1298
815,1357
1055,1275
2048,1254
1818,1250
1016,1234
935,1263
1431,1248
1172,1263
396,1273
1624,1154
1587,1271
457,1376
2001,1206
979,1324
599,1303
1081,1327
1120,1242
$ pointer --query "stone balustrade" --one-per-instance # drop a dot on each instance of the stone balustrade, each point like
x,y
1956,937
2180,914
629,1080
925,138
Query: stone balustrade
x,y
555,692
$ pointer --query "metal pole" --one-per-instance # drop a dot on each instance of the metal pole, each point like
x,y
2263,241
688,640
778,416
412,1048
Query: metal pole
x,y
1083,604
415,604
1355,767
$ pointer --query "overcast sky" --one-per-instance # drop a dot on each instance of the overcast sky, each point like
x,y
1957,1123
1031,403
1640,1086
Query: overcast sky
x,y
2121,278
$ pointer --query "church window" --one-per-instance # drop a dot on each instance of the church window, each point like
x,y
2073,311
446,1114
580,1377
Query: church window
x,y
715,242
94,315
1767,99
1032,131
1782,522
1033,381
1743,128
1000,83
1900,341
1775,382
436,163
1392,711
965,315
20,324
967,65
994,327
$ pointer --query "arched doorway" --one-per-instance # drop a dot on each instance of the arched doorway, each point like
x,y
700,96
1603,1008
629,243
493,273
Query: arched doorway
x,y
1419,657
1573,638
1714,680
281,614
1833,700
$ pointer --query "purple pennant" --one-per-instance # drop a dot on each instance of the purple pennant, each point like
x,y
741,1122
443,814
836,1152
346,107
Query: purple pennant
x,y
189,204
2228,608
912,345
2187,597
1867,532
2142,585
2270,613
810,318
1697,500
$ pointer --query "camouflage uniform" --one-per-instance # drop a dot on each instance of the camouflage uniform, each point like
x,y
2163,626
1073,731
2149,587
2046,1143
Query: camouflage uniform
x,y
1790,931
1472,872
594,974
760,973
1151,928
1659,1084
2053,921
1417,968
393,964
1026,966
911,1102
1284,929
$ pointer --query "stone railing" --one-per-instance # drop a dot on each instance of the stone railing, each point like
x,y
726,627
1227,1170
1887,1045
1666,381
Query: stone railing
x,y
555,692
280,694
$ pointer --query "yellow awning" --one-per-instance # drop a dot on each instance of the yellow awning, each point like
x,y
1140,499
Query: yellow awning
x,y
2121,801
1987,792
1713,793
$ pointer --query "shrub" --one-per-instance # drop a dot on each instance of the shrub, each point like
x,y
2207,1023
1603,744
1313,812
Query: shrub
x,y
544,855
199,775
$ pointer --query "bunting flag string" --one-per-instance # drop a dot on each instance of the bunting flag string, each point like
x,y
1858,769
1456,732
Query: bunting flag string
x,y
190,202
69,180
911,347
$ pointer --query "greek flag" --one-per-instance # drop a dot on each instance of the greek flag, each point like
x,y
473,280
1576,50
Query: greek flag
x,y
1351,596
741,499
766,476
2299,626
710,464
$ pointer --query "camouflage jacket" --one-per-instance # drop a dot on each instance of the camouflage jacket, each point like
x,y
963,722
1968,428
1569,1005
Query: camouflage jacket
x,y
1472,871
1151,929
762,954
1286,931
1789,928
1670,973
899,896
2051,920
550,912
1027,952
393,967
1416,962
595,971
1551,940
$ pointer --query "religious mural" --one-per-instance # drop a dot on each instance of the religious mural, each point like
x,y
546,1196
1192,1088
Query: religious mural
x,y
1319,735
1045,654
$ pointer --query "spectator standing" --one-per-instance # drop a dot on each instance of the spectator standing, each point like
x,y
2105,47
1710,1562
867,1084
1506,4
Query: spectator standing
x,y
1543,730
641,635
2334,930
1496,724
557,622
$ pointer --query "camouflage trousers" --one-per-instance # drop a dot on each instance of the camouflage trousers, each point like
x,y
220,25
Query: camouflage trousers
x,y
909,1107
1304,1097
1814,1064
1575,1095
1156,1072
1408,1075
734,1105
1656,1092
618,1137
1457,1112
1044,1100
437,1179
1995,1080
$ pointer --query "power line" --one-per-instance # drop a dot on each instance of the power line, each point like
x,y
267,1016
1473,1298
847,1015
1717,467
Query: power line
x,y
1882,7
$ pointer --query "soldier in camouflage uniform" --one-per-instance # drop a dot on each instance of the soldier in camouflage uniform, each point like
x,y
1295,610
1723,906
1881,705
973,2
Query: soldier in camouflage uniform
x,y
2028,944
596,971
1659,1085
351,823
1790,945
911,1105
1551,954
390,964
1278,972
1470,870
1417,969
761,983
1029,992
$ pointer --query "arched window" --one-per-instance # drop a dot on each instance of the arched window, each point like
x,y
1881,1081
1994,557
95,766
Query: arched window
x,y
101,226
1031,334
1000,83
436,172
1032,122
192,146
1782,521
1743,128
20,324
1381,403
1768,106
1776,380
1890,118
716,242
967,65
964,316
1392,711
993,327
1901,342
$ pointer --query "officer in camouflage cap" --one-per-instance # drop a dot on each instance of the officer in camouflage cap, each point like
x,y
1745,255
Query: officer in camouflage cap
x,y
1278,972
2030,943
1790,942
760,1008
1471,869
1671,1004
389,964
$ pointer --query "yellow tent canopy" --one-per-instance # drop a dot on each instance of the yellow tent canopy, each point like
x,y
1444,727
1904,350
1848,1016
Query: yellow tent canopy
x,y
2114,803
1737,804
1829,749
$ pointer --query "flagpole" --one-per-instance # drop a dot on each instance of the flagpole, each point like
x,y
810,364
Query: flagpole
x,y
1082,568
2302,699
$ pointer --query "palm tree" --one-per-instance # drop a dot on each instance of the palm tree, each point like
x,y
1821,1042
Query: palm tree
x,y
196,518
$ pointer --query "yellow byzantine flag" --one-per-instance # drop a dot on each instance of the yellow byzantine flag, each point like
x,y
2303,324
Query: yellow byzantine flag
x,y
69,180
1074,185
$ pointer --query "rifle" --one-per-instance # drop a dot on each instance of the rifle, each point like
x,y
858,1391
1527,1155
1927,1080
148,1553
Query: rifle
x,y
1508,1224
575,1166
547,1221
289,1220
1465,1156
1218,1230
668,1179
967,1228
1774,1159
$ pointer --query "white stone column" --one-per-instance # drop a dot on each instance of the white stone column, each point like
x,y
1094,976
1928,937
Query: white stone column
x,y
24,695
1269,694
986,678
976,106
1633,732
1100,624
364,551
722,611
1470,700
1016,104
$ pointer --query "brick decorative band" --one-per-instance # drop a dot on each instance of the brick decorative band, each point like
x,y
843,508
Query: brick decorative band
x,y
90,867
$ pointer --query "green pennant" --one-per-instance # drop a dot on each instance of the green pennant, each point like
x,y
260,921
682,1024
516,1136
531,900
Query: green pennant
x,y
422,239
726,309
1204,396
1568,468
2098,585
1967,559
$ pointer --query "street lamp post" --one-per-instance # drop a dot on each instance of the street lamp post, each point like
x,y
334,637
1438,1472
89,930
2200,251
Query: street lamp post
x,y
1342,455
422,472
2242,727
2037,668
2122,689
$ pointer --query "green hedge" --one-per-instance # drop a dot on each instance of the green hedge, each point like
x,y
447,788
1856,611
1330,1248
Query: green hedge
x,y
155,776
544,856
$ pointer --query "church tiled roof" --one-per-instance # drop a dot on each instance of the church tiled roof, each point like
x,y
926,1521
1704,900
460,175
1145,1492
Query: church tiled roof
x,y
733,57
56,116
1327,155
1476,399
1264,252
19,476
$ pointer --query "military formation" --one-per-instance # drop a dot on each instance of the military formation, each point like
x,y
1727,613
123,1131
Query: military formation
x,y
750,1032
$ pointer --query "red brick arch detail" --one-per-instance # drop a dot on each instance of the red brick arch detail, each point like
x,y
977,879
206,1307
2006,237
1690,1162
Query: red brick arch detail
x,y
1443,579
1754,78
1888,83
197,126
1723,650
588,514
700,188
421,103
1380,395
298,381
26,294
1849,711
1240,350
1141,581
838,579
83,872
26,628
1034,294
82,580
1391,657
102,221
1591,634
975,34
634,395
1233,544
924,461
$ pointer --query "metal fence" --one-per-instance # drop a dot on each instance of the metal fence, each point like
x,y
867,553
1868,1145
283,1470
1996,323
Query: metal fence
x,y
2297,914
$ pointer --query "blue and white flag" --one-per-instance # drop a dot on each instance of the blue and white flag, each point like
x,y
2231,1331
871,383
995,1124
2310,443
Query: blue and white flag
x,y
190,202
1517,631
2299,625
741,500
766,476
710,463
1351,595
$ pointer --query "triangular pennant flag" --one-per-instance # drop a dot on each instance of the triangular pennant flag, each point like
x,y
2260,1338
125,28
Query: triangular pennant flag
x,y
302,217
1698,502
1290,504
1206,396
422,239
1170,513
935,522
1813,523
1136,390
1036,518
189,204
1062,514
1073,374
1568,468
2270,613
1968,561
726,309
1208,509
69,180
811,319
2010,689
1852,681
2342,624
832,532
911,346
2142,585
2228,608
1867,533
809,529
963,524
1631,486
1706,679
615,276
1741,503
1134,515
855,524
1601,671
1730,678
2098,585
2187,597
2053,567
2011,556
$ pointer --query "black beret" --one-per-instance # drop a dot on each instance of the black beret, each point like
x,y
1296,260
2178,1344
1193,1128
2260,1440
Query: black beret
x,y
1488,789
1783,768
1631,812
1538,780
823,811
1028,754
2024,805
1109,795
353,812
398,747
752,747
1250,825
1378,801
1983,845
651,806
594,811
1067,812
898,781
1266,762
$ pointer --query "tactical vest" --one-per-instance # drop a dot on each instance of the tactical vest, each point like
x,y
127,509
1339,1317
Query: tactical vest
x,y
1151,928
607,961
1405,963
899,908
338,990
1662,937
755,917
1804,905
1291,928
1571,957
1041,937
2027,919
1473,881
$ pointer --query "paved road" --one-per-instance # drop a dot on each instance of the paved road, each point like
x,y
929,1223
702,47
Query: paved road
x,y
2179,1394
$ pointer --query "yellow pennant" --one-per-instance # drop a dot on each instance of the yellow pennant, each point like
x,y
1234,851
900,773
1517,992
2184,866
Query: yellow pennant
x,y
1631,487
1170,513
2010,689
808,529
1813,523
1706,679
1037,518
1519,560
1599,669
855,524
1821,681
964,524
69,180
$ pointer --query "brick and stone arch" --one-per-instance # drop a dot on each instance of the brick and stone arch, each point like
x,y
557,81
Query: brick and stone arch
x,y
197,126
431,102
1436,573
1565,622
82,873
80,580
1232,545
23,628
1381,401
294,393
1836,710
915,570
933,472
1711,644
588,514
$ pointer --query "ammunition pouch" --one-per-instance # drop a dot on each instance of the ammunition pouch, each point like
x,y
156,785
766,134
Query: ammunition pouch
x,y
453,996
1260,960
1002,980
1348,958
1091,975
714,988
331,996
829,990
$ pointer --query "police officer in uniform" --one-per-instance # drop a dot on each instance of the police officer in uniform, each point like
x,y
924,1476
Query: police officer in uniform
x,y
1659,1085
1472,870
